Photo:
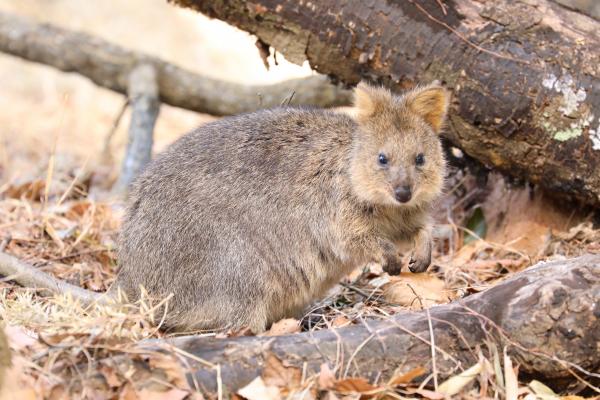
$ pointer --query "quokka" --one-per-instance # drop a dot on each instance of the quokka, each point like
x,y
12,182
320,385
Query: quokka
x,y
249,219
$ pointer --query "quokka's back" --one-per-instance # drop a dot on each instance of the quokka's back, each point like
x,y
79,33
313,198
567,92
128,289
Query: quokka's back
x,y
248,219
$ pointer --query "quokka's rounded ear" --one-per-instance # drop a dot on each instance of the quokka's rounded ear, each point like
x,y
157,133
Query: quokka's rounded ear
x,y
370,100
430,103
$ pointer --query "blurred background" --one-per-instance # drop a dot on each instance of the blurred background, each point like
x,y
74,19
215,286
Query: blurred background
x,y
40,105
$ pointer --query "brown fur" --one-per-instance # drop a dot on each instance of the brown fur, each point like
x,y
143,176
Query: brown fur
x,y
251,218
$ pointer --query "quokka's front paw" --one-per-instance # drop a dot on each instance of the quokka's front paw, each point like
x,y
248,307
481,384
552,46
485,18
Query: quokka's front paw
x,y
419,262
421,258
392,265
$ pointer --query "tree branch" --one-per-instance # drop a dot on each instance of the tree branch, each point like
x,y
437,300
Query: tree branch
x,y
109,66
30,277
143,98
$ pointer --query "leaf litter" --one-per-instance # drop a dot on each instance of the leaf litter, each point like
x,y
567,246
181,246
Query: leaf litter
x,y
62,349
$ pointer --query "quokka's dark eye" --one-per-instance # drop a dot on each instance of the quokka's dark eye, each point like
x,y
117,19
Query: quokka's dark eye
x,y
420,159
382,159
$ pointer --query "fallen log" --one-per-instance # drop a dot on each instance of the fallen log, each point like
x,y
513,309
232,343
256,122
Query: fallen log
x,y
588,7
548,317
109,66
525,75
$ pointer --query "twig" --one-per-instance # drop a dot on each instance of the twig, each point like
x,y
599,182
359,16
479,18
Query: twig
x,y
107,139
50,171
417,297
81,253
495,245
427,342
355,289
5,242
219,383
359,348
74,181
442,6
465,198
291,97
288,100
29,276
433,363
191,356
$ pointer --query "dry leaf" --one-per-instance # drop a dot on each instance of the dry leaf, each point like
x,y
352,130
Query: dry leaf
x,y
380,281
507,263
128,393
429,394
14,386
54,235
510,379
327,378
407,377
284,327
79,208
32,190
340,321
111,377
18,337
455,384
542,391
465,254
525,221
258,390
276,374
18,393
357,385
354,275
171,394
497,366
416,291
58,392
245,331
171,368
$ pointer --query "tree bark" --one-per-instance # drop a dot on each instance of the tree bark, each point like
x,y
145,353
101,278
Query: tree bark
x,y
109,66
588,7
547,316
525,75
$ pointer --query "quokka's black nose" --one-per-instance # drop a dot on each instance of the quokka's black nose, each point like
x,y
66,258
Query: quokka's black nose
x,y
403,194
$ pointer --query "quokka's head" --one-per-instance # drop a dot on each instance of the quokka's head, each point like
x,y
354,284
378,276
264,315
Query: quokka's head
x,y
397,157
